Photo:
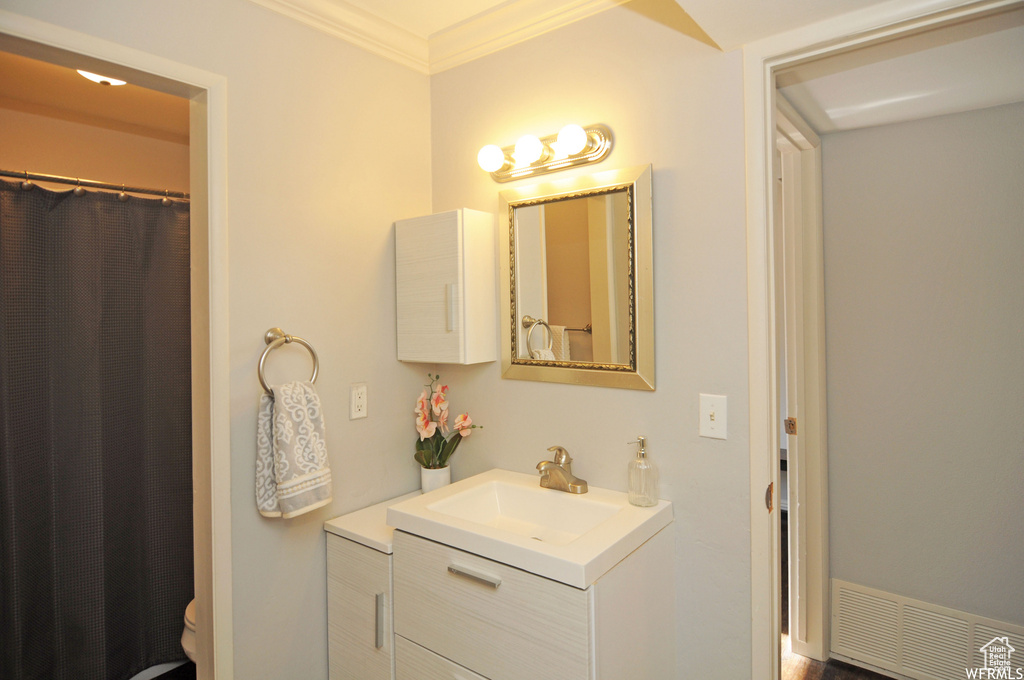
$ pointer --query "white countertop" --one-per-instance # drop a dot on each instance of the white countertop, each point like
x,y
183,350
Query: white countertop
x,y
578,562
368,526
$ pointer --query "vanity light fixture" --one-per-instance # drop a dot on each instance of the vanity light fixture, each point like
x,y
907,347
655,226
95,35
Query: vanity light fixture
x,y
102,80
574,145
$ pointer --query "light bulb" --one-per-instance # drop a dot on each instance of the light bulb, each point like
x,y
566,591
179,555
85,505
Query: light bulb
x,y
572,139
491,158
102,80
529,149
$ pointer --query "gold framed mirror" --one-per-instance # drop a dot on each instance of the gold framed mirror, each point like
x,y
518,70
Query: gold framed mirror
x,y
577,281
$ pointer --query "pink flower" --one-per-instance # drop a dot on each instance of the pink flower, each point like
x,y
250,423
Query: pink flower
x,y
438,401
442,419
423,403
425,426
464,425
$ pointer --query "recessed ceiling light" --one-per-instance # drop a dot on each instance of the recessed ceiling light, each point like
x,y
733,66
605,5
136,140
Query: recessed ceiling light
x,y
102,80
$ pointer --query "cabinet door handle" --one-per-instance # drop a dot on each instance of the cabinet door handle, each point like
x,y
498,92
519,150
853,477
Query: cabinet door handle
x,y
450,290
473,575
379,637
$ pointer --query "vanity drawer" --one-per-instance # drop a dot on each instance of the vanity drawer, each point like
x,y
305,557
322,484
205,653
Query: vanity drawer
x,y
412,662
517,627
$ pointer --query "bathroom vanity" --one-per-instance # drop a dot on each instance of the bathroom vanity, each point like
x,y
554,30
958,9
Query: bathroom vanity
x,y
494,578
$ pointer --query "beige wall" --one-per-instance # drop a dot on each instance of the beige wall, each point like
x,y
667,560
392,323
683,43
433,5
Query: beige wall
x,y
568,267
59,147
924,306
677,104
327,146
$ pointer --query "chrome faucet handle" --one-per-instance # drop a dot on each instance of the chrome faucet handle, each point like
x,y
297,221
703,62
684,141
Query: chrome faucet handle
x,y
562,457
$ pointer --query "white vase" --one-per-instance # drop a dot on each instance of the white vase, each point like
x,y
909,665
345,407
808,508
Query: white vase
x,y
434,479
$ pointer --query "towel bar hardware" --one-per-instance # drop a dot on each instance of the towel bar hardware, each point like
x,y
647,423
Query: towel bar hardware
x,y
532,324
529,321
275,337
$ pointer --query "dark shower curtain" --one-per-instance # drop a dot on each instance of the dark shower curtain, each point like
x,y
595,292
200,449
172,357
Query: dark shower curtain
x,y
95,434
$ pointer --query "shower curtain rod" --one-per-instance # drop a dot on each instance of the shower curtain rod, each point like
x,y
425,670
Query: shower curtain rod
x,y
40,177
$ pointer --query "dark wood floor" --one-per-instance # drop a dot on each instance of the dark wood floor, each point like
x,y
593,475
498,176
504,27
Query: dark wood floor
x,y
796,667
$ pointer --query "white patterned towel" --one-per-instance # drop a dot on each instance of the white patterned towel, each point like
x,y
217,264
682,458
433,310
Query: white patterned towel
x,y
560,343
293,474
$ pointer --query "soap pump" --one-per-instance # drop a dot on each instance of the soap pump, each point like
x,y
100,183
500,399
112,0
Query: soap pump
x,y
643,477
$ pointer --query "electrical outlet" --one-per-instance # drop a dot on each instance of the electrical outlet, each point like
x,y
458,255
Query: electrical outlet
x,y
713,416
357,401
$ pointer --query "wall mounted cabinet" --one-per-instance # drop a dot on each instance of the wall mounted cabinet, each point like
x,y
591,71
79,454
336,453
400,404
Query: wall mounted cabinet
x,y
445,272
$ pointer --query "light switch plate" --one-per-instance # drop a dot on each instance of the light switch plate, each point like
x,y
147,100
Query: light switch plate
x,y
713,416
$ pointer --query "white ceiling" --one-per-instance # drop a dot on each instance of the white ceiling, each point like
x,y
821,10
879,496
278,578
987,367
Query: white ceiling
x,y
425,18
438,35
45,89
732,23
968,66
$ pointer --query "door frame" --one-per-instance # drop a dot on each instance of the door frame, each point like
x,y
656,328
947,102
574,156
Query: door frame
x,y
211,443
800,322
761,60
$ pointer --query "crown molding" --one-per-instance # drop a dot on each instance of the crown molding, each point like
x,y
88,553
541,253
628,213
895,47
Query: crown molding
x,y
478,36
354,25
507,25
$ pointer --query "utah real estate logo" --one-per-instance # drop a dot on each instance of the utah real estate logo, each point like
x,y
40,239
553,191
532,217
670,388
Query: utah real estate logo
x,y
998,662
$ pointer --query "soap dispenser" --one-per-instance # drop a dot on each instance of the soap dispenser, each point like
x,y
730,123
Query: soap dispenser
x,y
643,477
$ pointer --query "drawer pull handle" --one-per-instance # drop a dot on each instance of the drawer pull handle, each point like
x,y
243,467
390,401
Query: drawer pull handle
x,y
473,575
450,290
378,640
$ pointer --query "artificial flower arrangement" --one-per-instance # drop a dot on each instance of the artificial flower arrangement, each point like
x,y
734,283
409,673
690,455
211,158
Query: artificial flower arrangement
x,y
434,448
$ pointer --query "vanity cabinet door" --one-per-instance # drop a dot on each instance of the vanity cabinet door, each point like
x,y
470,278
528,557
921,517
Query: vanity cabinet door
x,y
412,662
445,274
359,622
495,620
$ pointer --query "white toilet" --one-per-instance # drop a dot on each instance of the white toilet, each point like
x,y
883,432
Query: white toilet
x,y
188,635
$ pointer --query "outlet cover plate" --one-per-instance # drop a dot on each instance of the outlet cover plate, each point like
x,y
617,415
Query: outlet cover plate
x,y
357,401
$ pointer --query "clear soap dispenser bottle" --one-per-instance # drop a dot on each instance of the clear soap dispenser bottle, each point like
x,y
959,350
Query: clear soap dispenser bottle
x,y
643,477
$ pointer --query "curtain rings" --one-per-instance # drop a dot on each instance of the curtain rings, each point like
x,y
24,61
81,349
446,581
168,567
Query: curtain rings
x,y
27,185
122,196
79,189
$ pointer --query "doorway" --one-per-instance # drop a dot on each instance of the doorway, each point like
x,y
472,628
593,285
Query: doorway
x,y
764,62
210,379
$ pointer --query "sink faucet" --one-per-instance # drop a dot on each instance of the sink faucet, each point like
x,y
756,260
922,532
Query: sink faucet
x,y
558,474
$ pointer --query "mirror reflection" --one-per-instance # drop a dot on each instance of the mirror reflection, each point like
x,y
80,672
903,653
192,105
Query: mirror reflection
x,y
577,281
572,278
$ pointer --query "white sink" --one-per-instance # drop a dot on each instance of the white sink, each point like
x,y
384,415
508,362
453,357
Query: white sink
x,y
558,518
507,516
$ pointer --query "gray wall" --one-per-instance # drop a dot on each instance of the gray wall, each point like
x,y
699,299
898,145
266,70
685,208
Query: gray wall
x,y
924,308
327,145
677,104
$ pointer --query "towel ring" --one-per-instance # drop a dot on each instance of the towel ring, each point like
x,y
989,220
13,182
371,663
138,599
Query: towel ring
x,y
275,337
529,336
